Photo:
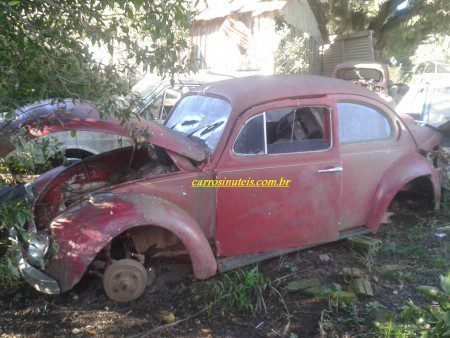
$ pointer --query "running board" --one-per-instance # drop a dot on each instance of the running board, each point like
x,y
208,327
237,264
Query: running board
x,y
235,262
354,232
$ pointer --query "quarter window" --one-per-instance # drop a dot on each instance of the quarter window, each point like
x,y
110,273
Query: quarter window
x,y
285,130
251,137
359,123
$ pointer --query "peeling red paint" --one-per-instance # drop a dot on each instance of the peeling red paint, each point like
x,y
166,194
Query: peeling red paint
x,y
83,230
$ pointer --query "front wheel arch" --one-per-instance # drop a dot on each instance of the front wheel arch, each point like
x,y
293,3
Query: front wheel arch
x,y
82,231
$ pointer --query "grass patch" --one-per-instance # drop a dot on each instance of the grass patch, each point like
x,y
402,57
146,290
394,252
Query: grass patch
x,y
409,278
389,274
417,251
238,290
440,261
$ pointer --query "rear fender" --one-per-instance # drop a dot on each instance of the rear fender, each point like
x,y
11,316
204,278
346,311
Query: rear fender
x,y
82,231
399,173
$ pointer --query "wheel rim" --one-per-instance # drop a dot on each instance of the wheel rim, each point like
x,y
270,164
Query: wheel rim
x,y
125,280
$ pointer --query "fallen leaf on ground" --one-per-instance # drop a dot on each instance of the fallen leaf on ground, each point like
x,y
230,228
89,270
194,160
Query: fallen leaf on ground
x,y
167,316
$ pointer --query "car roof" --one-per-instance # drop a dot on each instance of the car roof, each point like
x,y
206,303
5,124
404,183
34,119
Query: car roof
x,y
250,91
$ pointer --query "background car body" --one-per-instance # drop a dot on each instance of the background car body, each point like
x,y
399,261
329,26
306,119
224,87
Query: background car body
x,y
428,103
430,71
158,95
364,156
372,75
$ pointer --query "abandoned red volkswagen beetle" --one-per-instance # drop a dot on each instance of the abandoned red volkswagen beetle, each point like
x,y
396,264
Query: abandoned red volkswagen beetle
x,y
242,170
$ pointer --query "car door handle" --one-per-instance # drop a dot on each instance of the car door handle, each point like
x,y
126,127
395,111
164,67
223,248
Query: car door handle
x,y
331,170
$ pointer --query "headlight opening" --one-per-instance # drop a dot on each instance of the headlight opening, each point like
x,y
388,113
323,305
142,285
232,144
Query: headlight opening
x,y
38,247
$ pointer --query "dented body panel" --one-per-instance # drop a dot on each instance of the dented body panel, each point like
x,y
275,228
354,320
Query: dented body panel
x,y
144,197
83,230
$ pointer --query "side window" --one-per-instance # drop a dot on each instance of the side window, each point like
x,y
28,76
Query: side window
x,y
285,130
420,69
430,68
359,123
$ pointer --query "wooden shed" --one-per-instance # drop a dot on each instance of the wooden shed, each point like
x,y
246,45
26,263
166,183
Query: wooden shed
x,y
232,36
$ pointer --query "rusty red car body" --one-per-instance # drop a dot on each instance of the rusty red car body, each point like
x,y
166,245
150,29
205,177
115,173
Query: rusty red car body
x,y
143,196
381,83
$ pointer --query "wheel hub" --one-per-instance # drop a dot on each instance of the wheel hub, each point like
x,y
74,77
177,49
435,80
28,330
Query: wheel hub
x,y
125,280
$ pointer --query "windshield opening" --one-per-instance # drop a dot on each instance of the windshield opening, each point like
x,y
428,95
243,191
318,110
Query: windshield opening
x,y
200,118
358,74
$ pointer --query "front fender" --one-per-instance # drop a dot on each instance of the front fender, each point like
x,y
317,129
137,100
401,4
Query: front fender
x,y
83,230
399,173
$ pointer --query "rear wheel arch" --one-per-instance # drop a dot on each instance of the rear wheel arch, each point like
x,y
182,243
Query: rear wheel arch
x,y
417,194
134,211
408,171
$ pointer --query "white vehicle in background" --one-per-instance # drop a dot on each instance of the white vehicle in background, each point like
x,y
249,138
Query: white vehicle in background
x,y
430,71
427,102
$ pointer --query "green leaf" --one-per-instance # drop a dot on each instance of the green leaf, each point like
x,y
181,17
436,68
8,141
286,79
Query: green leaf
x,y
447,318
73,133
445,284
21,218
13,3
429,291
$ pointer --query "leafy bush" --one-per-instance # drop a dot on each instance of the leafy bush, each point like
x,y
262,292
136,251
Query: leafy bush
x,y
293,54
29,158
47,48
426,320
9,276
12,215
33,157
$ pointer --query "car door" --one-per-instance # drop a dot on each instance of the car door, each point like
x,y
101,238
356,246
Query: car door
x,y
275,143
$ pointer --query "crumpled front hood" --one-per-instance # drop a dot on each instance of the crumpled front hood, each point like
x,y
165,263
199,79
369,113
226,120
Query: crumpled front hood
x,y
48,117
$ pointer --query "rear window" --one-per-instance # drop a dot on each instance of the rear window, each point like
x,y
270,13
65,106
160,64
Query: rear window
x,y
358,74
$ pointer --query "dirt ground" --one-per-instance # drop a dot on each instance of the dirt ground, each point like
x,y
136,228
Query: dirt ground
x,y
411,255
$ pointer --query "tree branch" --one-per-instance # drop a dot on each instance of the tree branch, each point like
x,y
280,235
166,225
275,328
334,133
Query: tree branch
x,y
321,21
386,10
